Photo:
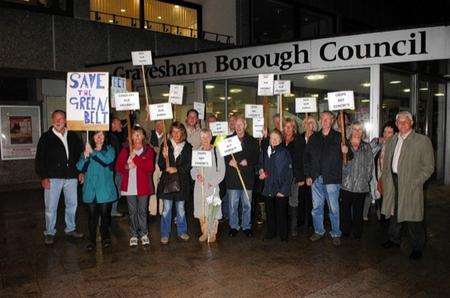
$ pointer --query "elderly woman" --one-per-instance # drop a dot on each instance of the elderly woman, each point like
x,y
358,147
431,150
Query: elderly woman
x,y
136,164
309,125
276,170
175,184
295,145
99,191
207,181
356,176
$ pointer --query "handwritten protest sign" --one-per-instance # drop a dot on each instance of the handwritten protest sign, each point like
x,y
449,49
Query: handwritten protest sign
x,y
201,158
219,128
200,108
229,146
254,111
341,100
161,111
87,102
118,85
282,87
265,85
176,94
142,58
127,101
305,105
258,127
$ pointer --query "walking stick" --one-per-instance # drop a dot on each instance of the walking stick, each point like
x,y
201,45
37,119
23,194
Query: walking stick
x,y
240,178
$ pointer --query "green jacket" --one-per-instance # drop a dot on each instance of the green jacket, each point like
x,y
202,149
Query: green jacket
x,y
98,177
415,166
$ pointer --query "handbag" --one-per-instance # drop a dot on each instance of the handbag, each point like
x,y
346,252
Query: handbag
x,y
171,183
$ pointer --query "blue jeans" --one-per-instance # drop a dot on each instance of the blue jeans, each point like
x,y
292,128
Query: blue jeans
x,y
234,197
166,218
51,199
330,192
225,206
118,182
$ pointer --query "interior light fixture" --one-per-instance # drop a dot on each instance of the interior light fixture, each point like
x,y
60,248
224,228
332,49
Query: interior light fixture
x,y
439,94
366,84
123,10
394,82
159,17
315,77
407,90
209,86
235,90
423,89
165,94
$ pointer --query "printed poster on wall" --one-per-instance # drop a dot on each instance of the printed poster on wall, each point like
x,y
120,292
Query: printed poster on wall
x,y
87,101
20,128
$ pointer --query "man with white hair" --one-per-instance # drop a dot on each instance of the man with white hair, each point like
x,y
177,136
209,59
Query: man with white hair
x,y
409,162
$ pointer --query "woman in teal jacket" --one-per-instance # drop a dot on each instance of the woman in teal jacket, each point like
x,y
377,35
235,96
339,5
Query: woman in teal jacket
x,y
99,191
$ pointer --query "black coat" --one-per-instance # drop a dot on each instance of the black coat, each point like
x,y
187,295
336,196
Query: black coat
x,y
51,158
323,157
183,165
278,167
296,149
250,152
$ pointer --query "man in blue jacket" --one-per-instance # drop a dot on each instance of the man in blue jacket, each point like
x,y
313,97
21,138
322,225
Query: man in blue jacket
x,y
323,169
57,153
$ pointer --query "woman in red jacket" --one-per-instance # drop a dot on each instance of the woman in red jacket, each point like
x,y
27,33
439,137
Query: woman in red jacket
x,y
136,168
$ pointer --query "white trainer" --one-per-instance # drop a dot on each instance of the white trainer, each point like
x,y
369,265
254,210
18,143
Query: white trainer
x,y
133,241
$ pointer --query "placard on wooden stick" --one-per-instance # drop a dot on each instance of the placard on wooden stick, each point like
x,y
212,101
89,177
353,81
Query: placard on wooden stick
x,y
219,128
176,94
341,100
306,105
87,101
201,158
127,101
258,127
282,87
142,58
160,111
254,111
265,84
229,146
200,108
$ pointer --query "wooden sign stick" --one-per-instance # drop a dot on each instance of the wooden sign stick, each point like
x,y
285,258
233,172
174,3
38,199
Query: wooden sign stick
x,y
342,125
240,178
145,90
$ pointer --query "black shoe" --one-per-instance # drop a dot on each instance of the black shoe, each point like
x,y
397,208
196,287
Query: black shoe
x,y
248,233
389,244
90,246
232,232
106,243
415,255
49,239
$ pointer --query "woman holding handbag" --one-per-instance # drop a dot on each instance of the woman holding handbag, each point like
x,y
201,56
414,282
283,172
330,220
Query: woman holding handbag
x,y
175,184
136,165
207,181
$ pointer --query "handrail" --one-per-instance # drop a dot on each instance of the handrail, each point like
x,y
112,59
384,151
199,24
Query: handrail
x,y
159,27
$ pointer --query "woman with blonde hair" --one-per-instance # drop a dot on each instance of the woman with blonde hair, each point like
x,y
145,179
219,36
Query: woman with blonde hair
x,y
356,176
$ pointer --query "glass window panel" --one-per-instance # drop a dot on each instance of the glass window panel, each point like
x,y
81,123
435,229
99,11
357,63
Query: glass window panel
x,y
396,94
319,84
214,95
119,12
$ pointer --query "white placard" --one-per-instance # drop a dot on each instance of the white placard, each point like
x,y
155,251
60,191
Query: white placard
x,y
306,105
118,85
160,111
219,128
200,108
176,94
265,85
254,111
282,87
201,158
127,101
87,101
258,127
341,100
229,146
142,58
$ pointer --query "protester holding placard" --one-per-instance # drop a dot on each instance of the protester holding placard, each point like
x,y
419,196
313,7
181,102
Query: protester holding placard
x,y
175,185
57,153
309,125
323,169
155,205
295,145
99,191
208,178
275,168
246,161
117,139
356,176
136,164
192,128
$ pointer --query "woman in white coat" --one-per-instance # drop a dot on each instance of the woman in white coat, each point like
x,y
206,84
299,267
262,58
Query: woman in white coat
x,y
209,177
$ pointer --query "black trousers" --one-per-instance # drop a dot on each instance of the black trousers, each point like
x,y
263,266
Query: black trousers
x,y
415,229
305,206
96,211
352,213
277,217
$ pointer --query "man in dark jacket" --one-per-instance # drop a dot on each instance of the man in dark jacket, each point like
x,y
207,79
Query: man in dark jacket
x,y
246,161
116,139
323,167
57,153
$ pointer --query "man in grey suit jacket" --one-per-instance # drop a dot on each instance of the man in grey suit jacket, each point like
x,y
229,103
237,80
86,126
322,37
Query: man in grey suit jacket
x,y
408,165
